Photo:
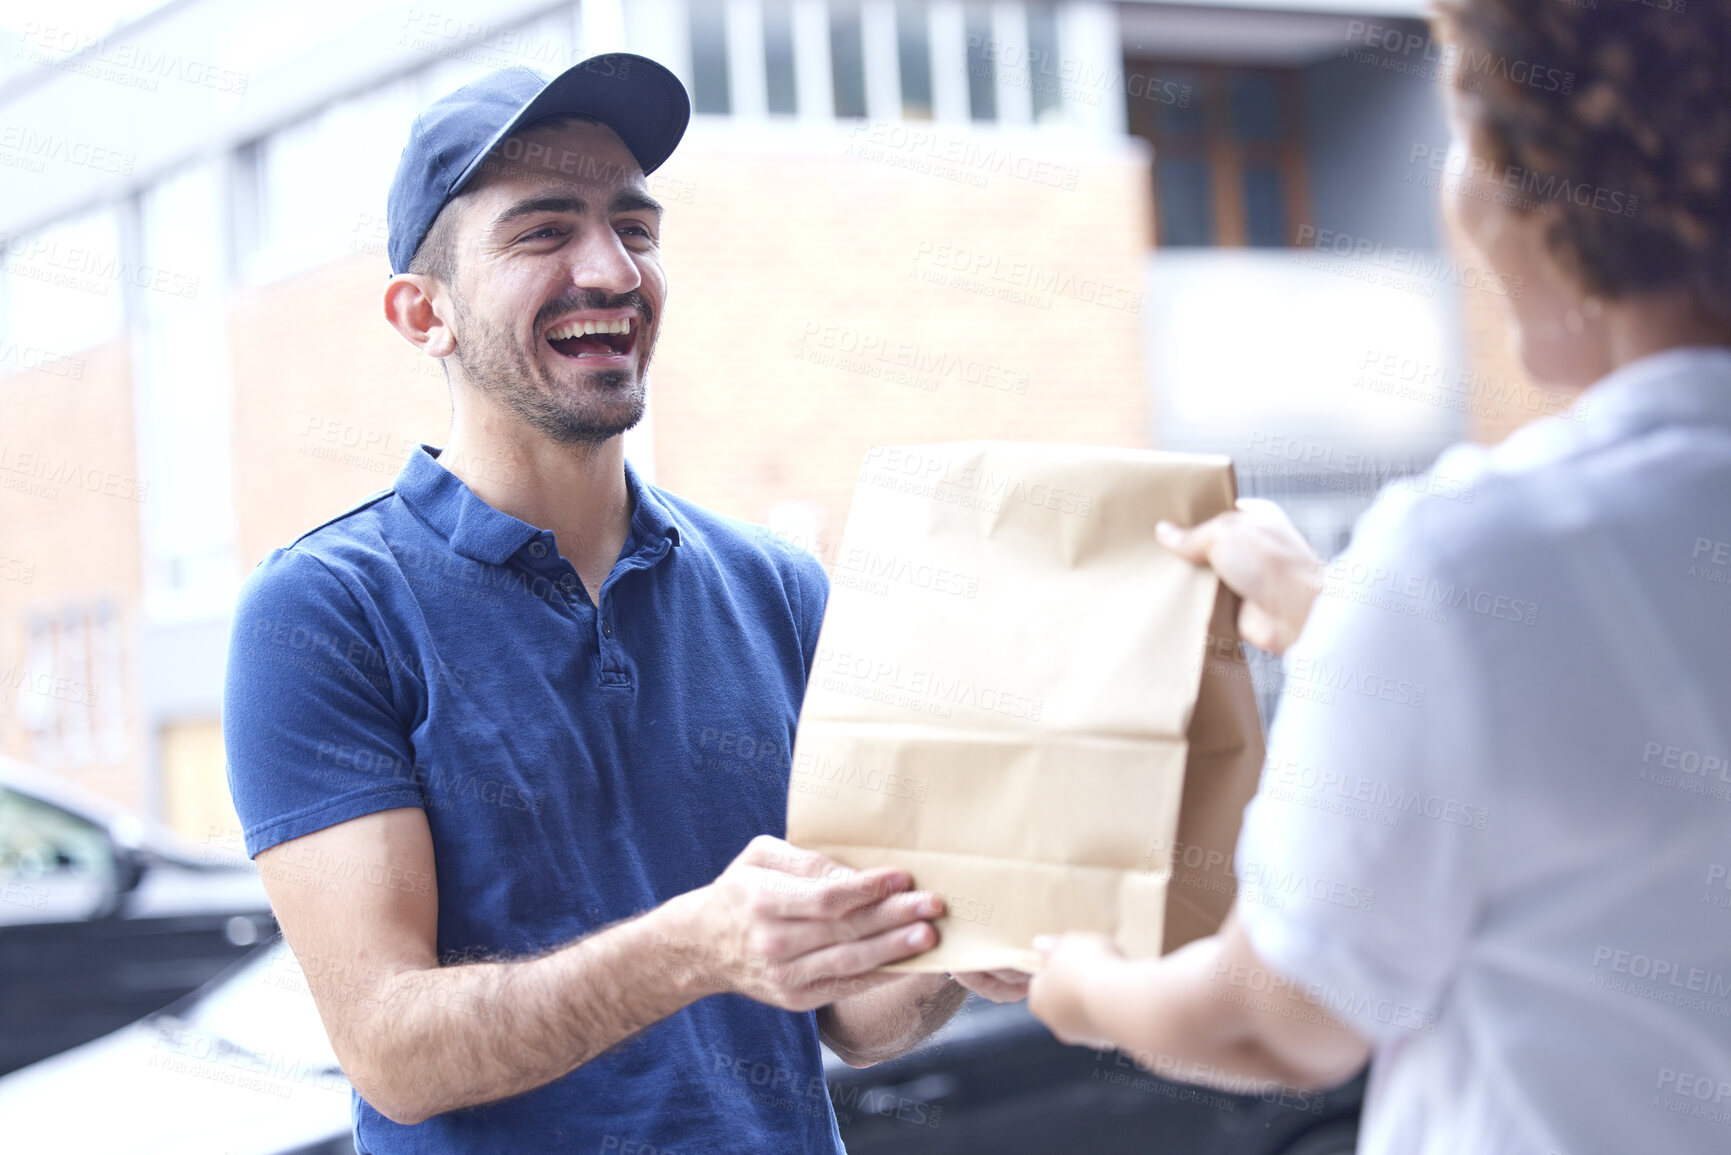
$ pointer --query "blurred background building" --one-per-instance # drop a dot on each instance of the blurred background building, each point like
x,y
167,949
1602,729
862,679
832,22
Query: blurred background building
x,y
1198,226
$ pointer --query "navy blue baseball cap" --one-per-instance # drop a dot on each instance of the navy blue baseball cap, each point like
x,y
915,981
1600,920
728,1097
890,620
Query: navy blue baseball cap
x,y
637,98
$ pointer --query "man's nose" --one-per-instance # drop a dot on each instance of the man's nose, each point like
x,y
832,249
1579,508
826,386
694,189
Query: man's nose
x,y
602,262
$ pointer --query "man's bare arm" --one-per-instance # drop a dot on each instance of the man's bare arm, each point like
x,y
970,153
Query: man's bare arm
x,y
879,1024
357,904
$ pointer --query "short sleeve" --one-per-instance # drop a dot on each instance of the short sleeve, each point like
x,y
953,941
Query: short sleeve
x,y
311,729
811,596
1360,857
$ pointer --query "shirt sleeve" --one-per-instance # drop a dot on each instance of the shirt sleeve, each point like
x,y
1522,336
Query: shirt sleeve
x,y
811,591
312,731
1360,857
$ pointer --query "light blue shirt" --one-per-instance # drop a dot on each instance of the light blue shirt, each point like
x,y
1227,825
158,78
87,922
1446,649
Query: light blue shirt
x,y
1494,831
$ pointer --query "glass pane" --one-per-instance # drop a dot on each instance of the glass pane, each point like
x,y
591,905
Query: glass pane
x,y
1256,106
847,61
1172,116
1044,63
914,54
708,58
982,76
778,55
38,840
1264,206
1186,201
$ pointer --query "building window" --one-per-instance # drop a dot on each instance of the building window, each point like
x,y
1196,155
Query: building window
x,y
1045,64
1228,153
847,59
914,59
982,75
709,83
781,81
68,688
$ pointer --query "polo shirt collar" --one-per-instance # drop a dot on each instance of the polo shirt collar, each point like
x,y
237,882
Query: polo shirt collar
x,y
477,530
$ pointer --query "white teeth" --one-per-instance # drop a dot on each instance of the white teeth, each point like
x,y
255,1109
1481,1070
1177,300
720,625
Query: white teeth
x,y
585,328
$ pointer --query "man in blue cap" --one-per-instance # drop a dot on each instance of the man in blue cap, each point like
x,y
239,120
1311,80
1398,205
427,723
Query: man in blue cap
x,y
510,740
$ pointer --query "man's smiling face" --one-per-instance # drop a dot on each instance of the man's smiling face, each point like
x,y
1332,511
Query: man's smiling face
x,y
557,285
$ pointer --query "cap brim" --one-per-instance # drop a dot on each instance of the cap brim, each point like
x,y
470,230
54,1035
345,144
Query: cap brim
x,y
640,100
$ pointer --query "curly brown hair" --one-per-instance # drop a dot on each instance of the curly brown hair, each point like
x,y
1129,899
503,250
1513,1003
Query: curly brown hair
x,y
1633,150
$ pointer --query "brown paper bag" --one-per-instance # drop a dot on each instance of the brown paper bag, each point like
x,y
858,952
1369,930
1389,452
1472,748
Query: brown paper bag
x,y
1009,698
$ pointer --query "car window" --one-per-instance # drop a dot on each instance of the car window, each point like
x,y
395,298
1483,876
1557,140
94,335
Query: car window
x,y
54,865
37,840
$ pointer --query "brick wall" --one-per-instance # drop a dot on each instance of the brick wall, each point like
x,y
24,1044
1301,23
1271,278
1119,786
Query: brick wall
x,y
69,491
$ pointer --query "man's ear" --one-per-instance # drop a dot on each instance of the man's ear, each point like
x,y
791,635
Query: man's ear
x,y
417,305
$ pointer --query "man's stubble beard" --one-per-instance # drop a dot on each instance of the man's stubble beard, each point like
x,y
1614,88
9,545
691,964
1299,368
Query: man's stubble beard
x,y
602,406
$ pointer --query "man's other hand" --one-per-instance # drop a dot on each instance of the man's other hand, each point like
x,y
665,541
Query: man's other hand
x,y
795,929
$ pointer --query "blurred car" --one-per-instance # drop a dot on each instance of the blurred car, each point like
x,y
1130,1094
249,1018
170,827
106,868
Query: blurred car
x,y
105,916
243,1067
996,1082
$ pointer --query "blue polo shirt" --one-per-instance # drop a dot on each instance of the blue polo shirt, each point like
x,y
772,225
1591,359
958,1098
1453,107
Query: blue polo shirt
x,y
578,764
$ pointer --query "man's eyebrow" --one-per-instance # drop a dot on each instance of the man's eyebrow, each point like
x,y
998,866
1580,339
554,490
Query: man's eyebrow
x,y
630,198
549,204
623,201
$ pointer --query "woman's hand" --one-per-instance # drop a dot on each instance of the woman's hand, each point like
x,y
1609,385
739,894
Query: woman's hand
x,y
1070,964
1000,986
1262,557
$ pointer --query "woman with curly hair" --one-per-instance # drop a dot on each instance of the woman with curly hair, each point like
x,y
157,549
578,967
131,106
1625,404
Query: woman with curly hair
x,y
1506,886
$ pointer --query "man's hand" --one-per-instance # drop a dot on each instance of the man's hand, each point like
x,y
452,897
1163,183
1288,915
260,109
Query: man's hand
x,y
1263,558
797,930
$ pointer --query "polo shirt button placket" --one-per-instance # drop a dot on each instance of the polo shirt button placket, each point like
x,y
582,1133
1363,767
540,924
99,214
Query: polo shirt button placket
x,y
537,550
